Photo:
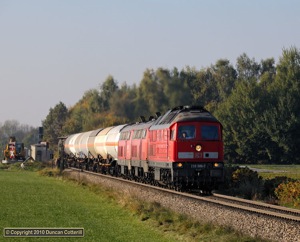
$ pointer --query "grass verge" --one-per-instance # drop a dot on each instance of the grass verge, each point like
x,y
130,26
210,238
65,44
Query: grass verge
x,y
31,200
272,171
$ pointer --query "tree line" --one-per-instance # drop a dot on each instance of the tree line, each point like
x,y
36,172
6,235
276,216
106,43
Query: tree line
x,y
257,103
23,133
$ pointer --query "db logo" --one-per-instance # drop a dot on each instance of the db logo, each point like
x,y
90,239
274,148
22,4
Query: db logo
x,y
198,155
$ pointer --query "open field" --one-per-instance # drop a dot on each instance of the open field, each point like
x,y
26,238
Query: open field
x,y
271,171
30,200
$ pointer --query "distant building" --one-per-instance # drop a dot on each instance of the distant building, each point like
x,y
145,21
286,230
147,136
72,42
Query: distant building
x,y
41,152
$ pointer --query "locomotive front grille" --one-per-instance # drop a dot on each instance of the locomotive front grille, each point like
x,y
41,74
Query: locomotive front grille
x,y
216,173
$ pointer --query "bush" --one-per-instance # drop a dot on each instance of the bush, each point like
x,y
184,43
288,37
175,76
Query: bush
x,y
4,166
288,194
50,172
243,182
271,184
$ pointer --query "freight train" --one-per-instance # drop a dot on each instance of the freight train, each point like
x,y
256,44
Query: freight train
x,y
182,149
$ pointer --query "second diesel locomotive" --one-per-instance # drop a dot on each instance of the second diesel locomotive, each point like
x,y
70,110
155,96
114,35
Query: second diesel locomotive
x,y
14,151
182,149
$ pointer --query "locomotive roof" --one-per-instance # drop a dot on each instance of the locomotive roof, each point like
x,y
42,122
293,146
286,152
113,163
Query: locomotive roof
x,y
183,114
137,126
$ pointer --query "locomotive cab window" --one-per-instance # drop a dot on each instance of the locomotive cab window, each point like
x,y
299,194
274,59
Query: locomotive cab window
x,y
187,132
18,148
209,132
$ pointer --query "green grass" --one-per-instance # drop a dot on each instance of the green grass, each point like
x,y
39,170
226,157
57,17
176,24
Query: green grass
x,y
31,200
291,171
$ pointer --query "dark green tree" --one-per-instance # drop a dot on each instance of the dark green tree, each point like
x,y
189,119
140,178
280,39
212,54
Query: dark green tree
x,y
225,78
282,117
268,73
107,89
239,115
247,69
150,95
176,88
122,103
53,124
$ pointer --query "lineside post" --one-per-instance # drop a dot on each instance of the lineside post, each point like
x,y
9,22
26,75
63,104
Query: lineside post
x,y
61,154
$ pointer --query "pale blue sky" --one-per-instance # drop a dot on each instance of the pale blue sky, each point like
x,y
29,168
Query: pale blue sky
x,y
55,50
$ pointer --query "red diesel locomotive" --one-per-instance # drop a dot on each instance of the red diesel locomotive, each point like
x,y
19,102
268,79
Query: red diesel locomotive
x,y
181,149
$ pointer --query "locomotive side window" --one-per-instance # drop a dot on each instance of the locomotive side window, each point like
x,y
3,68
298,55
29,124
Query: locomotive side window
x,y
209,133
144,133
137,134
125,136
186,132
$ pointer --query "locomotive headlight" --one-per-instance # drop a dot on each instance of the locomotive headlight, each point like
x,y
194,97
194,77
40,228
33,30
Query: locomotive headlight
x,y
179,165
218,164
198,147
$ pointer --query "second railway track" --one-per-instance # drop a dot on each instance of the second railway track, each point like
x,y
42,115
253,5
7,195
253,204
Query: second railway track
x,y
258,207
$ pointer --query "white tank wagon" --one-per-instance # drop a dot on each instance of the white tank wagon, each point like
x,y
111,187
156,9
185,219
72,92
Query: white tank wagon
x,y
111,144
82,149
97,149
69,144
77,145
100,143
91,143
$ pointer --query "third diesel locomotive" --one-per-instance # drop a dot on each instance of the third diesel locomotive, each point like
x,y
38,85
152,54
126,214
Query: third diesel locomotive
x,y
181,149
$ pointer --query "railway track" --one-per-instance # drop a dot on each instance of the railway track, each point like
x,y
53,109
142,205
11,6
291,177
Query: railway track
x,y
221,200
257,207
